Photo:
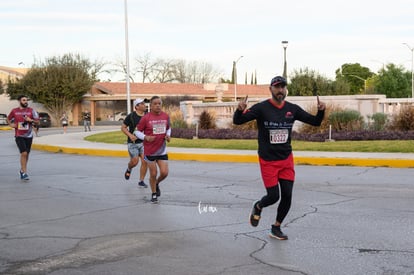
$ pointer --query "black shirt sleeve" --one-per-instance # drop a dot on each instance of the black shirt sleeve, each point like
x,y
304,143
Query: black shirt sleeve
x,y
305,117
247,115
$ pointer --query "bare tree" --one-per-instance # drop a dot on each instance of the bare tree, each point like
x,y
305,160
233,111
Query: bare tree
x,y
146,67
162,70
120,67
180,71
195,72
99,67
208,73
192,70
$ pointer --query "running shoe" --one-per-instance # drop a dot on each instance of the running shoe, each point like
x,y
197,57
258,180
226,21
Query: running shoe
x,y
276,233
154,198
158,191
24,176
142,184
255,214
127,174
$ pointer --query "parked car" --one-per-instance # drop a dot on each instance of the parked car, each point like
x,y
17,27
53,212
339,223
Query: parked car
x,y
3,119
120,116
44,120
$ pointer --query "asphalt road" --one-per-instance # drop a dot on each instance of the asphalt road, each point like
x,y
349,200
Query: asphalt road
x,y
77,215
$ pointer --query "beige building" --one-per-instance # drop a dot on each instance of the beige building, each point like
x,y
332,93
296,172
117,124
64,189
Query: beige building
x,y
108,98
7,73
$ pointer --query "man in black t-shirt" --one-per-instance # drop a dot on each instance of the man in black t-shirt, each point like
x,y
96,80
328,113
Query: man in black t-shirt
x,y
135,145
87,120
275,118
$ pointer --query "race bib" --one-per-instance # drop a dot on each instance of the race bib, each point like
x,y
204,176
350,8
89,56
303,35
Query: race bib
x,y
159,128
23,126
278,136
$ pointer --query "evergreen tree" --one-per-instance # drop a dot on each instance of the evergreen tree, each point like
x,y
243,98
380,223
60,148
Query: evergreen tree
x,y
393,81
255,77
1,87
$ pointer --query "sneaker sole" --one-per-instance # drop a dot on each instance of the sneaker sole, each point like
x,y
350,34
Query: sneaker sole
x,y
271,235
127,175
251,218
24,179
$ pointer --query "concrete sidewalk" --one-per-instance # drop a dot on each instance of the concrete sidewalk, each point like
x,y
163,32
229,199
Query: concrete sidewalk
x,y
74,143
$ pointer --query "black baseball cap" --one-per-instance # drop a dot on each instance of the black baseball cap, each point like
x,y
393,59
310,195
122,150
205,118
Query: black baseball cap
x,y
278,80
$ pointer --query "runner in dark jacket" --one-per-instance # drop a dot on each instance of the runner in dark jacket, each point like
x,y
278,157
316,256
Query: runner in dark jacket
x,y
275,118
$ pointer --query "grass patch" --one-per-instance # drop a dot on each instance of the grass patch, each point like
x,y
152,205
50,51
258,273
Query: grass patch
x,y
237,144
116,137
386,146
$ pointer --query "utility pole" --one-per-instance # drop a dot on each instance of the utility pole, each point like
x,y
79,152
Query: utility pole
x,y
284,45
128,92
412,69
235,77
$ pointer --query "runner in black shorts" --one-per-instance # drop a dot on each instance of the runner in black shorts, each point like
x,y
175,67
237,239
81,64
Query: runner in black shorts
x,y
155,158
275,118
24,144
23,119
154,128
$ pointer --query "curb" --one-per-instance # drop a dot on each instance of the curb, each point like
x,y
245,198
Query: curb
x,y
374,162
240,158
5,128
80,151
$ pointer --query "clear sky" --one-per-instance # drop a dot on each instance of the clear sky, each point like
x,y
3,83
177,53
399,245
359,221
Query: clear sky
x,y
322,34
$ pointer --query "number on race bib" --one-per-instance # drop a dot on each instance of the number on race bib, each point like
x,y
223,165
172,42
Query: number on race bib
x,y
278,136
23,126
159,129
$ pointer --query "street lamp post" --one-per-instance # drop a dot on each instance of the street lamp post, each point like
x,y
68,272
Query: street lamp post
x,y
365,80
284,45
235,77
412,69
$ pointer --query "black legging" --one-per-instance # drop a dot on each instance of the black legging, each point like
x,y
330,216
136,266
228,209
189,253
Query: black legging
x,y
272,197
